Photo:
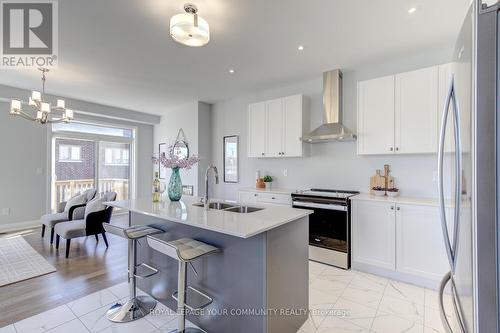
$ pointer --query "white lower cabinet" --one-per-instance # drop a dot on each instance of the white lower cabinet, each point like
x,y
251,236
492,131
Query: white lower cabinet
x,y
373,233
403,238
419,242
264,197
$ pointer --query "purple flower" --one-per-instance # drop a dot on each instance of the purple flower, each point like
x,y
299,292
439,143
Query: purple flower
x,y
172,161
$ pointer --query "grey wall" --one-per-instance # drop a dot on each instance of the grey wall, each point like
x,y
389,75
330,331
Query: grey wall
x,y
24,147
195,120
328,165
204,143
23,168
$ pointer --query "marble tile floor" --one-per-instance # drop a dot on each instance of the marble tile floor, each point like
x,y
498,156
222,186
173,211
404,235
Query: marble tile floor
x,y
340,302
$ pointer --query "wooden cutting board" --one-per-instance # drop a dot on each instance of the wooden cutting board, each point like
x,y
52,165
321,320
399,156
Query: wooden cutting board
x,y
377,180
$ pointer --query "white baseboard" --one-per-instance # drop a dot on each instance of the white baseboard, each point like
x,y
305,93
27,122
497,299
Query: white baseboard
x,y
398,276
15,226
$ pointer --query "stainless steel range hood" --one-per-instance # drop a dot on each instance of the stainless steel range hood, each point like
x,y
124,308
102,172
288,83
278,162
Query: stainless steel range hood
x,y
332,129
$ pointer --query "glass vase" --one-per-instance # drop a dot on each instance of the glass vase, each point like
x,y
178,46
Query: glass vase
x,y
175,186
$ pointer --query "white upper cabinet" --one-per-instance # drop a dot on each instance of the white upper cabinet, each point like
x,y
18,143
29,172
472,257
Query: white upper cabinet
x,y
376,116
276,126
398,114
257,130
294,125
275,130
416,113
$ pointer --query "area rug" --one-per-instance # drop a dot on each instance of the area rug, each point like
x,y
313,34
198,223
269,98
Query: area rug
x,y
19,261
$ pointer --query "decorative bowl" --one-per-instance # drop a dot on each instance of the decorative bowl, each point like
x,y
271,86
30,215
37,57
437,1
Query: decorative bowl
x,y
379,193
392,194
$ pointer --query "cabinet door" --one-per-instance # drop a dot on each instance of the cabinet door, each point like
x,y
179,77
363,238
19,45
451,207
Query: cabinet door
x,y
248,197
416,111
419,242
257,130
292,114
274,128
373,225
376,116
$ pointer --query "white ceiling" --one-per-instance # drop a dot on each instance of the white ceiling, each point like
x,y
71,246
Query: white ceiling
x,y
119,52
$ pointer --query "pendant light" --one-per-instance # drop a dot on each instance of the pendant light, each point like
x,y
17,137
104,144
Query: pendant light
x,y
189,28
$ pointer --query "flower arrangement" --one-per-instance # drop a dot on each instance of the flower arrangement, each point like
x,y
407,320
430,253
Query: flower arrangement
x,y
173,161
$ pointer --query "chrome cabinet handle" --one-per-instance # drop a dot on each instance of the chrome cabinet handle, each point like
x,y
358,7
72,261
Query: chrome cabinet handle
x,y
392,149
397,148
399,208
392,207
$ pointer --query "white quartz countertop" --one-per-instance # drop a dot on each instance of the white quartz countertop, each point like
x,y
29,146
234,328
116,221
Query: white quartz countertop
x,y
265,190
397,200
229,223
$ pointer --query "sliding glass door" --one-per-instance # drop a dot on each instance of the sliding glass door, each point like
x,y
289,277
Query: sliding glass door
x,y
114,168
88,156
73,168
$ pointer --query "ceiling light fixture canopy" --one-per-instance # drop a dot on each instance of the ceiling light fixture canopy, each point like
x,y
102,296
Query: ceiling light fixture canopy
x,y
43,109
189,28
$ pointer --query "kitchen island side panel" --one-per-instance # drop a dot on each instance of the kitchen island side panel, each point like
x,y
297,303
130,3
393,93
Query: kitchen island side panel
x,y
287,263
235,278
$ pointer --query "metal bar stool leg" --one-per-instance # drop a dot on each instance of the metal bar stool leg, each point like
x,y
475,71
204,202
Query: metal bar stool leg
x,y
137,306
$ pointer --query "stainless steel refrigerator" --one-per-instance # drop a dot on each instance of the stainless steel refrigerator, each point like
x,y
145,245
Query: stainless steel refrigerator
x,y
467,176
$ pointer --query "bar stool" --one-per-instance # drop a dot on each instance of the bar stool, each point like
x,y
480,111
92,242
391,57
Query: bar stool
x,y
185,250
137,306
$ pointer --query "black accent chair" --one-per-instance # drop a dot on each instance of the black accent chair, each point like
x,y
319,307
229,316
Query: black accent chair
x,y
81,226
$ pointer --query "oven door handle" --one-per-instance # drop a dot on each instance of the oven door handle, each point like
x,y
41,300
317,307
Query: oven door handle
x,y
317,205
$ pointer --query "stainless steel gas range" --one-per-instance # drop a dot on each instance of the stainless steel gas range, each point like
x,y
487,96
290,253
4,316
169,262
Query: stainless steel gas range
x,y
329,225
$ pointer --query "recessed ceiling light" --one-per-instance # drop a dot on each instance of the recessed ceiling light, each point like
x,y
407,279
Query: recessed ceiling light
x,y
300,48
231,71
412,10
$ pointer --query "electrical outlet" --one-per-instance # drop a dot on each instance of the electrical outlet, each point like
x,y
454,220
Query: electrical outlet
x,y
285,172
5,211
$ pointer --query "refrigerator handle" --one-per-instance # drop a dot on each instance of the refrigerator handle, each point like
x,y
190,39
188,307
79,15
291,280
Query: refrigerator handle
x,y
458,176
442,135
442,312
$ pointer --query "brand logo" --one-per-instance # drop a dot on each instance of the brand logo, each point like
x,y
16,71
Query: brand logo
x,y
28,34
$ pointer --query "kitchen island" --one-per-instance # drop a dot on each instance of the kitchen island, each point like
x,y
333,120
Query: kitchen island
x,y
259,281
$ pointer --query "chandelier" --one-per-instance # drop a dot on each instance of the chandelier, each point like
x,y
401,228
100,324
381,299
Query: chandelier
x,y
189,28
45,113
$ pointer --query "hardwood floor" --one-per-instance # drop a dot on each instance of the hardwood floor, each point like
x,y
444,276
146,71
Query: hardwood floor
x,y
90,267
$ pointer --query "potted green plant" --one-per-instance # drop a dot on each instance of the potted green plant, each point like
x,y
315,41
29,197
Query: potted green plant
x,y
268,180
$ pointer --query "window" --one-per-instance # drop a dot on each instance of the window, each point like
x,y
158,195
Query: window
x,y
87,128
70,153
116,156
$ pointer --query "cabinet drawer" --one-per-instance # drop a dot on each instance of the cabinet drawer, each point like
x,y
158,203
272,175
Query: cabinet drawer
x,y
280,199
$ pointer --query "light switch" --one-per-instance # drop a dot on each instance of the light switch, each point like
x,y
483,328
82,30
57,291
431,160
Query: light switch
x,y
285,172
5,211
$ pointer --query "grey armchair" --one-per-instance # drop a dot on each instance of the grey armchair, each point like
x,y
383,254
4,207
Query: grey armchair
x,y
62,214
85,223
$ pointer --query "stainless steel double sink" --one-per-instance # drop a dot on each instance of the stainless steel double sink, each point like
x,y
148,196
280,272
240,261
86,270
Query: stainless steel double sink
x,y
230,207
